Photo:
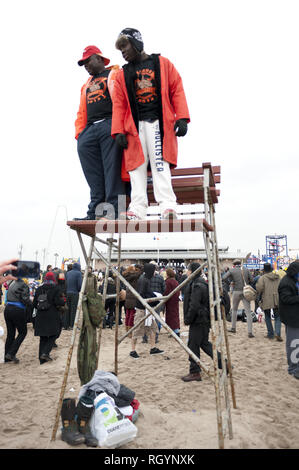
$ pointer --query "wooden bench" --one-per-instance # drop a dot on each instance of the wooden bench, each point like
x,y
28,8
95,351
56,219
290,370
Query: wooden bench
x,y
188,185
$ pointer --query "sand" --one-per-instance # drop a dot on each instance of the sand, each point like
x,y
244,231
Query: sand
x,y
174,414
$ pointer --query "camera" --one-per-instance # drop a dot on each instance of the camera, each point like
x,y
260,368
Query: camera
x,y
30,269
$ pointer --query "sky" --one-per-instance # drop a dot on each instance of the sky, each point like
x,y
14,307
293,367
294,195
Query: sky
x,y
240,70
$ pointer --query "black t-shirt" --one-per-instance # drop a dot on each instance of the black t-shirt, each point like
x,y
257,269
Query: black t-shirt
x,y
98,100
146,90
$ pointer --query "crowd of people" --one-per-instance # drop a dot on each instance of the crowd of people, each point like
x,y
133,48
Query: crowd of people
x,y
53,304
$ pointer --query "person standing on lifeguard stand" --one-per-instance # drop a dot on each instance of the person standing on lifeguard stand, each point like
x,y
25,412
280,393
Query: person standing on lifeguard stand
x,y
149,111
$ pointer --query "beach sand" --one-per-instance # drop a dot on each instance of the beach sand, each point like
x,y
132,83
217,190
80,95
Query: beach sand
x,y
173,414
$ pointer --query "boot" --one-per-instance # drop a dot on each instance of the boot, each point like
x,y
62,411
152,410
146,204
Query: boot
x,y
70,432
191,377
84,411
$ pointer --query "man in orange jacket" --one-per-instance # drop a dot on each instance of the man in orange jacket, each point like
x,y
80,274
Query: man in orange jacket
x,y
99,154
149,111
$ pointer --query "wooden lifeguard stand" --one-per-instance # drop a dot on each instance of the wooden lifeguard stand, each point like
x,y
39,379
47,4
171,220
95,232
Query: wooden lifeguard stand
x,y
192,186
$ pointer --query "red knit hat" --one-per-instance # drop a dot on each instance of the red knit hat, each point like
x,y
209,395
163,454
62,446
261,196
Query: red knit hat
x,y
50,277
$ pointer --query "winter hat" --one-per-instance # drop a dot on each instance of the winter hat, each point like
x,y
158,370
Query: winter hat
x,y
193,266
236,262
134,36
268,268
50,277
149,270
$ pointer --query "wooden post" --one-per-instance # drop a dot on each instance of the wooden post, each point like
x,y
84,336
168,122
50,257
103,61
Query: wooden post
x,y
117,308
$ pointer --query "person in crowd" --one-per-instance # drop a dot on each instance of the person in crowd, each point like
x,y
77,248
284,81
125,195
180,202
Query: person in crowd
x,y
73,287
49,269
99,154
157,284
149,112
237,275
149,326
109,303
197,316
288,292
47,300
61,283
172,315
15,315
131,274
267,286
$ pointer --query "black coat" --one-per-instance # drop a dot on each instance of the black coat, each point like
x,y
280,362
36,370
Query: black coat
x,y
196,303
132,278
48,322
289,297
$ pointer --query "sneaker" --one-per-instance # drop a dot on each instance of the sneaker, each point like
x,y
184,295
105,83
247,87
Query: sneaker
x,y
269,337
278,338
88,217
250,335
129,215
134,354
156,351
232,330
169,214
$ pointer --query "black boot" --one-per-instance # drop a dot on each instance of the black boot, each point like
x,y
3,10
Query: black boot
x,y
84,411
70,432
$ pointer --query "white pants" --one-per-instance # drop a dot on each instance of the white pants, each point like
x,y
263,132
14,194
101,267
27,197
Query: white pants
x,y
150,137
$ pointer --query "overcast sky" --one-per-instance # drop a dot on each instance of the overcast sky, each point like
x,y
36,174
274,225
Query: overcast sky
x,y
240,69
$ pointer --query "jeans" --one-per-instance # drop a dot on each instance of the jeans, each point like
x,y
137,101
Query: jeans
x,y
72,302
100,158
277,322
16,320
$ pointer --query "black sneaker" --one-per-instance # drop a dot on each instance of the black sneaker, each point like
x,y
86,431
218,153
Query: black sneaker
x,y
156,351
88,217
134,354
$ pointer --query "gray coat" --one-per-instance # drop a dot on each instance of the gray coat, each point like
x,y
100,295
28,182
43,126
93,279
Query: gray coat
x,y
235,275
267,285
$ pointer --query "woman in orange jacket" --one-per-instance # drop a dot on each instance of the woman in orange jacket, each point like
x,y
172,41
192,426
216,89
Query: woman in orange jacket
x,y
149,112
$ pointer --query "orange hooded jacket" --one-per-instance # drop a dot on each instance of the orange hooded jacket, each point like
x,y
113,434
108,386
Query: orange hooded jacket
x,y
81,120
174,107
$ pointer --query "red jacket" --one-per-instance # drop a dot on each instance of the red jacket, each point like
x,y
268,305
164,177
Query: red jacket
x,y
81,120
174,107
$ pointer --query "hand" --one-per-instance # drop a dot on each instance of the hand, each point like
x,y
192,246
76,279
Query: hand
x,y
7,266
121,140
181,127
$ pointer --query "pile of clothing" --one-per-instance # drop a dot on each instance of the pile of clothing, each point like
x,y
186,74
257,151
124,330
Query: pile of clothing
x,y
102,396
123,397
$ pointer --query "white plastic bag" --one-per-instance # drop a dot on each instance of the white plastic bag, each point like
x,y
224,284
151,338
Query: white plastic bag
x,y
108,425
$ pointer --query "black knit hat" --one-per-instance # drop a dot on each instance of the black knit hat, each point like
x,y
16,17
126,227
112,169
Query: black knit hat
x,y
193,266
268,268
134,36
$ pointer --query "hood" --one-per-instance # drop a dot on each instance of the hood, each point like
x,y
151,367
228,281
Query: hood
x,y
149,270
77,266
272,276
293,269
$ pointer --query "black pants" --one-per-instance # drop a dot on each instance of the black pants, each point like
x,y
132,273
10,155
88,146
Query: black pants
x,y
16,320
100,158
199,339
72,302
46,345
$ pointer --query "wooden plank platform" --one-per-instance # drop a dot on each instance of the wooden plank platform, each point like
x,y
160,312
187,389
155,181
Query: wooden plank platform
x,y
94,227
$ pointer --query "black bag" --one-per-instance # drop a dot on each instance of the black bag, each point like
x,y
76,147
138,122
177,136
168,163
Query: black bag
x,y
42,302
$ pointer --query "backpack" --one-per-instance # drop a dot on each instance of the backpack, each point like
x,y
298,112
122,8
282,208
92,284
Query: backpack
x,y
42,302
